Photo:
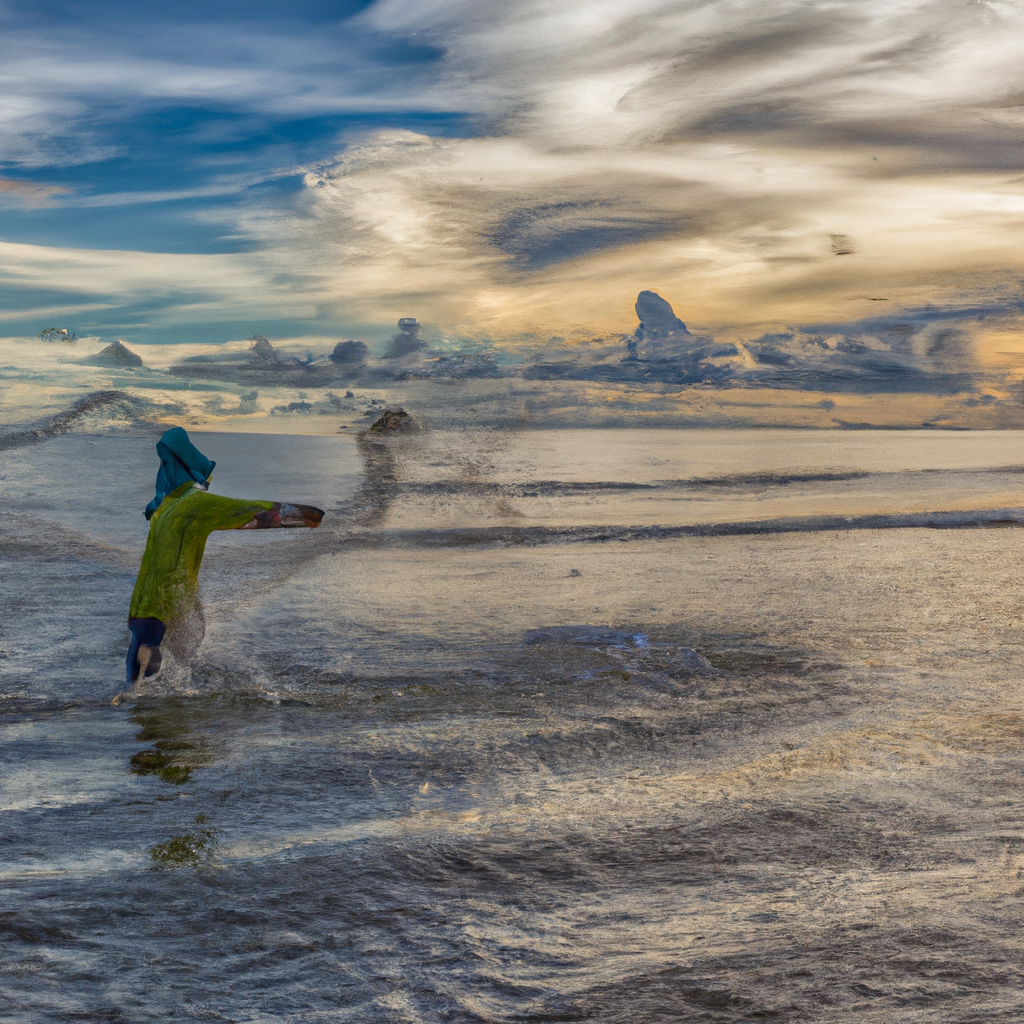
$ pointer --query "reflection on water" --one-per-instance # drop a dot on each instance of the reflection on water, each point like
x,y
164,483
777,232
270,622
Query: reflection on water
x,y
176,747
189,850
691,778
379,486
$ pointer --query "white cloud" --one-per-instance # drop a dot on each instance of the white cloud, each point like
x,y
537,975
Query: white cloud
x,y
704,148
220,287
566,67
708,149
60,82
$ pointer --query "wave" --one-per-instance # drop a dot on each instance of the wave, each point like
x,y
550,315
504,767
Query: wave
x,y
62,422
733,481
565,488
768,479
536,536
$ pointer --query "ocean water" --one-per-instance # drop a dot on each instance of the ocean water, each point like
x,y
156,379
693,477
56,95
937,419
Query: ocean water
x,y
664,725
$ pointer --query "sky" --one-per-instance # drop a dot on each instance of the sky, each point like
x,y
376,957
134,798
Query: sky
x,y
782,171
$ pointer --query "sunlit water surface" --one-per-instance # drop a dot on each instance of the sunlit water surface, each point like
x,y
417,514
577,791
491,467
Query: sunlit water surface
x,y
474,752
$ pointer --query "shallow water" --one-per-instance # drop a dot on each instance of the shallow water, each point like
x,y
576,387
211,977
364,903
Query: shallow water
x,y
430,765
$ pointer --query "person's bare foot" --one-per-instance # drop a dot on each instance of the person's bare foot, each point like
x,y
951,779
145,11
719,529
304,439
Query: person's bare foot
x,y
150,660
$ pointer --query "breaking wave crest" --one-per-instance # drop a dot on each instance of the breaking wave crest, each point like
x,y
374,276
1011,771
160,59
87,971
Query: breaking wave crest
x,y
568,488
535,536
62,422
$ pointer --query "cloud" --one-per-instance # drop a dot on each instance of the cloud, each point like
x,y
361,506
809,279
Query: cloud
x,y
575,72
723,153
68,80
768,166
164,286
536,236
31,193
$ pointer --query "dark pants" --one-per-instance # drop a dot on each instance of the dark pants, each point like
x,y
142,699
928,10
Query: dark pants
x,y
144,631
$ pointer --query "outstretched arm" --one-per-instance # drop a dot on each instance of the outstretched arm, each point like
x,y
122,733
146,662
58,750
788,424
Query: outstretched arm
x,y
284,516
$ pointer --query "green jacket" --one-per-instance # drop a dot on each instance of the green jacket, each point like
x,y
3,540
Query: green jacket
x,y
169,575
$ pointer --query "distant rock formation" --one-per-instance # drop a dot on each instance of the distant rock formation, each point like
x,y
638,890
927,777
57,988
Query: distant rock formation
x,y
656,316
52,334
393,419
262,353
115,354
660,334
349,353
407,341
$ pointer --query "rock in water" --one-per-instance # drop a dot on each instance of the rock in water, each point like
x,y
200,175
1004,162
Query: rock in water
x,y
392,419
115,354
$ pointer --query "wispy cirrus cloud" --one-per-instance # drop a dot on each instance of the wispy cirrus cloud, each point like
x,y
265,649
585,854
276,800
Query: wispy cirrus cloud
x,y
76,74
711,150
523,169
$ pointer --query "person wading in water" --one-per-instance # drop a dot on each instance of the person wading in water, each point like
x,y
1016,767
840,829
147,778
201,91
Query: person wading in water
x,y
181,516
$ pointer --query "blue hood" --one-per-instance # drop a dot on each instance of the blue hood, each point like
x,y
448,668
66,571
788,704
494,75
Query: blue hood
x,y
180,462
